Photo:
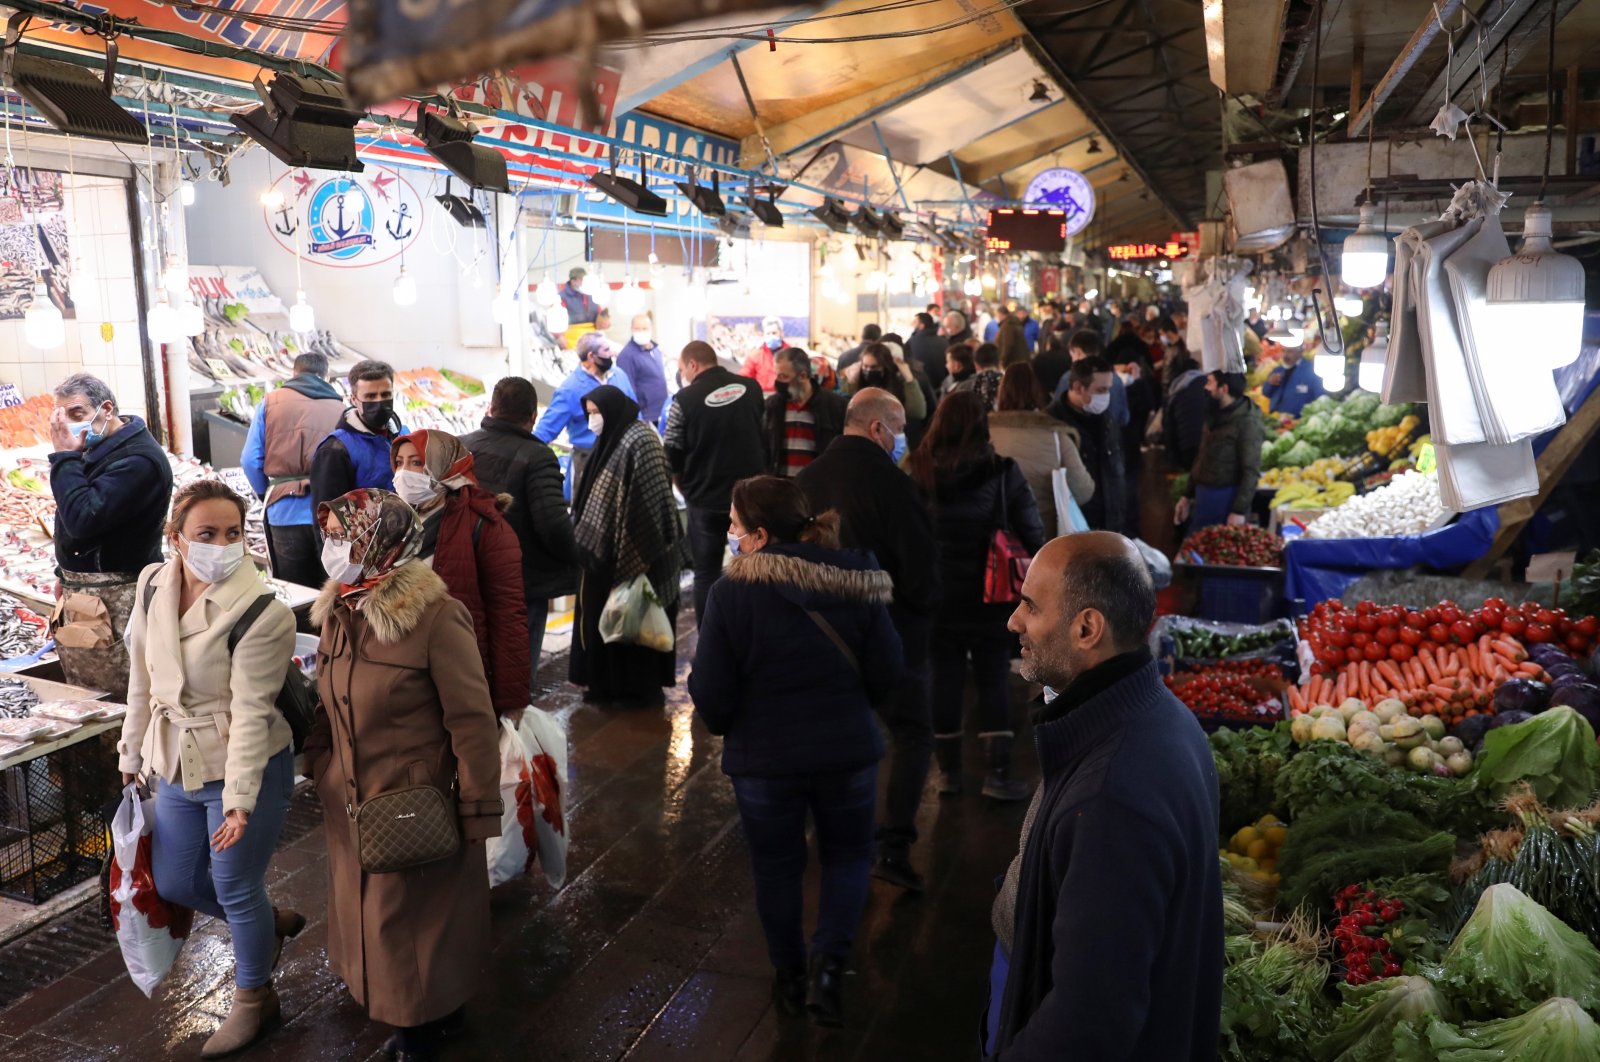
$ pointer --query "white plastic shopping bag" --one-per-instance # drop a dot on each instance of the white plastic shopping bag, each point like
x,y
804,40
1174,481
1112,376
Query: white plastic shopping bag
x,y
150,930
511,854
542,797
633,615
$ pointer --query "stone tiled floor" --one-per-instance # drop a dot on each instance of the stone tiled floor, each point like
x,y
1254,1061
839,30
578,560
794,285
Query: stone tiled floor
x,y
651,952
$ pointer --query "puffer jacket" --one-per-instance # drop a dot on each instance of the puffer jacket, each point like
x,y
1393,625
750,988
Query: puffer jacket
x,y
778,689
478,557
1230,453
970,504
509,460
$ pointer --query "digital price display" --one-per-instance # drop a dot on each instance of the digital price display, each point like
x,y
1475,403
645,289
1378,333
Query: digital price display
x,y
1132,252
1013,229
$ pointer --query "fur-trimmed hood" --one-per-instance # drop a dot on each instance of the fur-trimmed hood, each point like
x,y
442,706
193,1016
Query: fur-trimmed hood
x,y
395,606
806,574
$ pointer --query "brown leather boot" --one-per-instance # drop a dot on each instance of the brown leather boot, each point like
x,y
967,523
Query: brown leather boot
x,y
286,925
254,1010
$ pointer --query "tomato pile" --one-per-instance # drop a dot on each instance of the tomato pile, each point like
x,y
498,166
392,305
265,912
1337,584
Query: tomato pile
x,y
1240,544
1359,938
1370,632
1229,689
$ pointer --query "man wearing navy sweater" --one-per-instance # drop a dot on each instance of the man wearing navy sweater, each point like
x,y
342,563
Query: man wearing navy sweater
x,y
1110,917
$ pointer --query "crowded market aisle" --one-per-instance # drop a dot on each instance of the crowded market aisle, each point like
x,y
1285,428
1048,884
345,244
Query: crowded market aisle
x,y
652,950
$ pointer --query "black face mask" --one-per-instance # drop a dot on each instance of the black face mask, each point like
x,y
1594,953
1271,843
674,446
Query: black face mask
x,y
603,364
874,378
781,389
376,415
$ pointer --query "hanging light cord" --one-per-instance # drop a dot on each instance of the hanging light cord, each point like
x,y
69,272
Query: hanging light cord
x,y
1332,338
1549,99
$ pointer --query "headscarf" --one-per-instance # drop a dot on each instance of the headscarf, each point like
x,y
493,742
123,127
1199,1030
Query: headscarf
x,y
619,411
447,460
388,531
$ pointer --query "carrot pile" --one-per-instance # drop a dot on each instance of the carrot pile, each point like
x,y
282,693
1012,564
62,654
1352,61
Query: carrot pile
x,y
1451,682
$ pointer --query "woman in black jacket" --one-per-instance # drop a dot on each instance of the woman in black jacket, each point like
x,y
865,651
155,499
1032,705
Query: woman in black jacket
x,y
973,493
795,649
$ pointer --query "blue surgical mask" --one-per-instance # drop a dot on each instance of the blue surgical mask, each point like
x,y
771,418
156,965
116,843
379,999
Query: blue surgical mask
x,y
733,543
899,450
774,343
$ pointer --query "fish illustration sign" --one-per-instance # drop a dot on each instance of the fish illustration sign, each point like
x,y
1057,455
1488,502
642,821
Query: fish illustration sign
x,y
1066,189
345,220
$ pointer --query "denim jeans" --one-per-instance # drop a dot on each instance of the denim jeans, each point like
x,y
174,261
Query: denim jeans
x,y
538,618
296,554
773,813
908,716
230,884
708,547
991,664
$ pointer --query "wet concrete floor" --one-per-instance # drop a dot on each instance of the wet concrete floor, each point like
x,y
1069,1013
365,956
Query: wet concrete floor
x,y
652,951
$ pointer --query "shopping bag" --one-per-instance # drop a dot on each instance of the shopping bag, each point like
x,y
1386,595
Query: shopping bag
x,y
633,615
542,798
149,930
1069,515
511,854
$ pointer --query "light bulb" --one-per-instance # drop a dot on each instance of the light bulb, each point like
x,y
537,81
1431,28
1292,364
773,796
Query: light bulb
x,y
972,286
1350,305
301,317
556,319
898,283
162,321
1365,258
186,193
176,278
988,280
272,199
1330,370
1374,361
405,289
503,309
655,265
42,325
1539,292
547,294
630,301
191,319
597,287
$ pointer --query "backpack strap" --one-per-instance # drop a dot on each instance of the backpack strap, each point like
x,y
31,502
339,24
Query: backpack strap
x,y
149,594
251,614
834,637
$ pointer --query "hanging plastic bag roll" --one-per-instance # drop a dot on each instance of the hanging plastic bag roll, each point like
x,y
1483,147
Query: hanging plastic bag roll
x,y
1405,378
1453,413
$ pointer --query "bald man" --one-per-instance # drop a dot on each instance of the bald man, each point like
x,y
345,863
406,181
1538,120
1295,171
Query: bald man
x,y
880,510
1109,923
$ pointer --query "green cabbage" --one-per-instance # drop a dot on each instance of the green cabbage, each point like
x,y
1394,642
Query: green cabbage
x,y
1367,1021
1300,455
1388,416
1554,752
1557,1030
1360,404
1325,404
1513,954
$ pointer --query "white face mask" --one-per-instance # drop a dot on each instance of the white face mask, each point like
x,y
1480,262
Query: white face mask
x,y
597,423
1098,403
336,561
416,489
213,564
642,339
1126,378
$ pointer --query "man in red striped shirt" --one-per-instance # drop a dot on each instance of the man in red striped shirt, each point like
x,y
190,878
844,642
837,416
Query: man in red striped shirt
x,y
801,418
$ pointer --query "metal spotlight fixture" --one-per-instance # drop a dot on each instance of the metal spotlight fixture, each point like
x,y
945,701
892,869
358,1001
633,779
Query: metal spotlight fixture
x,y
765,209
893,228
833,214
304,122
866,221
635,195
706,200
449,139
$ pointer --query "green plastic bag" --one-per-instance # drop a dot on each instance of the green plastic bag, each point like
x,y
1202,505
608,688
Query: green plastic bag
x,y
633,615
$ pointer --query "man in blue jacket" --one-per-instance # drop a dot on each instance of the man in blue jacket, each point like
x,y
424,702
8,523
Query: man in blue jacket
x,y
565,411
1294,386
356,453
1109,920
640,361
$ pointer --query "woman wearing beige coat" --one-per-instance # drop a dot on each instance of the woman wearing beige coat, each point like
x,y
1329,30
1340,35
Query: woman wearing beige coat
x,y
404,703
1037,442
203,728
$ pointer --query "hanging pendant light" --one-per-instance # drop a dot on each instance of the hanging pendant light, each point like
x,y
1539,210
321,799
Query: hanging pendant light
x,y
1364,262
1284,336
1374,360
1538,292
598,288
405,289
547,294
191,318
556,319
186,193
176,278
162,321
1330,370
973,287
503,310
42,325
630,300
302,318
1350,305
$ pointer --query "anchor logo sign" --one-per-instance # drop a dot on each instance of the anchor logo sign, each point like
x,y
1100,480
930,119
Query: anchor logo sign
x,y
286,223
347,219
400,227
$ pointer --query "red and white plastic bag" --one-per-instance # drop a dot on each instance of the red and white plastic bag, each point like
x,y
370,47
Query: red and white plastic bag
x,y
534,826
510,854
150,930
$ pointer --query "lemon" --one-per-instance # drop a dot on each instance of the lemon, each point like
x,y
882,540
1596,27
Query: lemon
x,y
1244,838
1276,835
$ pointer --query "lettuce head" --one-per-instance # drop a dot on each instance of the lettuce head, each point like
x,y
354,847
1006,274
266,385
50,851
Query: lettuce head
x,y
1371,1015
1555,752
1557,1030
1513,954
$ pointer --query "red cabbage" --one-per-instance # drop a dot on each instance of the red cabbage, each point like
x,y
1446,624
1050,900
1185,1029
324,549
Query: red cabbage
x,y
1583,698
1521,695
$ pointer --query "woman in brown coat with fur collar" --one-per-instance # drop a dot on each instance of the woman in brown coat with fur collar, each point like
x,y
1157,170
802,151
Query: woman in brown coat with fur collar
x,y
404,704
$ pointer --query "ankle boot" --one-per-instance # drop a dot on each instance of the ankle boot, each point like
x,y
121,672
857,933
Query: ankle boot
x,y
286,925
998,784
825,992
948,752
254,1010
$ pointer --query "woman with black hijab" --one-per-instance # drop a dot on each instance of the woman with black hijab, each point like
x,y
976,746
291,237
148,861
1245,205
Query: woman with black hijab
x,y
626,526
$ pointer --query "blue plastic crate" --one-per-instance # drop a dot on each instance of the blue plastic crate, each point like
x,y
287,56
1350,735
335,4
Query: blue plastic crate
x,y
1243,596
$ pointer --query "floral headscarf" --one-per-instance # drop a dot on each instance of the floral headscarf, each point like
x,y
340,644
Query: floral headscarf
x,y
446,459
387,530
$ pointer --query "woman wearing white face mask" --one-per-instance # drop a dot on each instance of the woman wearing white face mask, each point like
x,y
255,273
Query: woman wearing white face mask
x,y
203,728
468,542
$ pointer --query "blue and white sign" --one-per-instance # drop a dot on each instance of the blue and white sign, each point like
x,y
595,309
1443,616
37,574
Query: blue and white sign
x,y
345,220
1066,189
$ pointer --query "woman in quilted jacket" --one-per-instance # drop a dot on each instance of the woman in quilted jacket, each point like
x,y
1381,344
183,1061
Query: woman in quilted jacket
x,y
471,546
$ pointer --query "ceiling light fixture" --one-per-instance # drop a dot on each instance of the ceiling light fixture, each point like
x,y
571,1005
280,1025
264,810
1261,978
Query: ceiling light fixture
x,y
634,195
1094,146
765,209
304,122
1364,261
449,140
1374,360
833,214
706,200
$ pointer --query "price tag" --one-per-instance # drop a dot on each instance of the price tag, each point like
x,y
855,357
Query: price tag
x,y
10,395
219,369
1426,461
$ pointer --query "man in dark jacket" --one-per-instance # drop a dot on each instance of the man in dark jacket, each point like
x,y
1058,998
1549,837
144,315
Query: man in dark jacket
x,y
802,419
110,479
716,435
1183,417
926,348
1222,483
509,460
356,453
880,510
870,334
955,329
1109,921
1085,403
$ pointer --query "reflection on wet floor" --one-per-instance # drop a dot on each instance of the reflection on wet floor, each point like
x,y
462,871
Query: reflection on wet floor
x,y
651,951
